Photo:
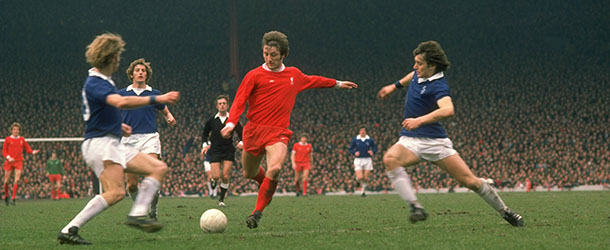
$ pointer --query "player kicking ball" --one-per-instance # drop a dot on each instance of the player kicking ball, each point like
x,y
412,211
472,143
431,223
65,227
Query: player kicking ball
x,y
270,90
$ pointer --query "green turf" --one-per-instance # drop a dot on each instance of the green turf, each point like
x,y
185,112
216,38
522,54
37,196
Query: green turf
x,y
555,220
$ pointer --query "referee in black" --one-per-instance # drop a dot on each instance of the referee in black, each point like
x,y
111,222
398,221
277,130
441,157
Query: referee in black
x,y
221,151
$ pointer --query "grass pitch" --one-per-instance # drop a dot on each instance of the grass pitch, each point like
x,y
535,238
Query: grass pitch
x,y
553,220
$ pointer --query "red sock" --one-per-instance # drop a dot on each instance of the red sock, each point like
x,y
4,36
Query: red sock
x,y
5,190
15,187
260,176
58,193
265,193
53,194
305,187
296,186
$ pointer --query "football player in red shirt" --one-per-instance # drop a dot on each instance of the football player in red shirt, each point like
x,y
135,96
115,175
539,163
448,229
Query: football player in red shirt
x,y
302,160
270,91
12,151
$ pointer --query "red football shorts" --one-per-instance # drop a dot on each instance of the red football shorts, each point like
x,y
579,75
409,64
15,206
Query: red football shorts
x,y
10,166
302,166
256,137
55,177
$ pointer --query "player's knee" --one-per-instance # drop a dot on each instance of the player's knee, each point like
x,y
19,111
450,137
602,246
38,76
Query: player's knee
x,y
161,168
115,196
471,183
250,174
390,161
274,171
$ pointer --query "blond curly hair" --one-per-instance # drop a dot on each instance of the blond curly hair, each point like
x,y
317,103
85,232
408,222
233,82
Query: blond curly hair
x,y
104,50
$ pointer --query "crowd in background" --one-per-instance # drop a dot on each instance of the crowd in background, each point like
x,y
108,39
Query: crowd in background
x,y
530,103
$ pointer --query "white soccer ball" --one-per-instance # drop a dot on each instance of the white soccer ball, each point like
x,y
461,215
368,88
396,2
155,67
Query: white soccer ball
x,y
213,221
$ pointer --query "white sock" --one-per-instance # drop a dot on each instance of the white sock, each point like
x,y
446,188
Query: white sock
x,y
402,184
363,183
209,188
148,189
490,196
94,207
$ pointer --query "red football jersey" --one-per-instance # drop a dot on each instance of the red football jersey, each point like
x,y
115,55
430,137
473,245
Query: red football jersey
x,y
302,152
271,95
14,147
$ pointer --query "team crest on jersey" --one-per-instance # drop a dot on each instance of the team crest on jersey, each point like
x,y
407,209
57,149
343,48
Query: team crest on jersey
x,y
423,90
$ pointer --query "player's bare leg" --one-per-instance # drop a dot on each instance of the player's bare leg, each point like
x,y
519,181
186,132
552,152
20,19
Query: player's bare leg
x,y
297,181
456,167
16,185
7,177
305,181
394,160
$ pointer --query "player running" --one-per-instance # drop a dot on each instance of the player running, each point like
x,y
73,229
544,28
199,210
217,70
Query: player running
x,y
143,122
222,151
270,90
102,151
423,138
12,151
302,160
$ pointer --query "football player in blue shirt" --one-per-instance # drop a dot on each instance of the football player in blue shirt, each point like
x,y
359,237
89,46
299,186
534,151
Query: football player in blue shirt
x,y
363,148
102,151
143,122
423,138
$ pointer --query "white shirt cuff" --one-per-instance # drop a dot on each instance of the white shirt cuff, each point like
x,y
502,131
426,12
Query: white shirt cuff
x,y
230,125
203,145
338,84
240,143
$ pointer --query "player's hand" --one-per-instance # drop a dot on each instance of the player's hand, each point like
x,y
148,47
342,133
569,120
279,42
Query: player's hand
x,y
35,151
294,165
226,131
126,129
411,123
370,152
171,97
240,145
385,91
348,85
170,119
203,152
357,154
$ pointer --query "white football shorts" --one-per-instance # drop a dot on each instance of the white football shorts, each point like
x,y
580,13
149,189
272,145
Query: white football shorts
x,y
428,149
365,163
108,148
145,143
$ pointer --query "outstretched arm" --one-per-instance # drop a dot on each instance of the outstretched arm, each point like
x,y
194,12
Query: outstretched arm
x,y
388,89
132,102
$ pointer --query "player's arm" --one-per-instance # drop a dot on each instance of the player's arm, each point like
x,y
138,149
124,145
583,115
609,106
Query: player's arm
x,y
312,81
373,147
352,147
5,151
239,103
385,91
168,116
27,148
292,159
204,137
132,102
239,129
444,111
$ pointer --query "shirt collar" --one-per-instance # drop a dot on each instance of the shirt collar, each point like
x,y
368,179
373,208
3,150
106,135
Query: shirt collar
x,y
275,70
147,88
218,115
436,76
94,72
15,137
363,138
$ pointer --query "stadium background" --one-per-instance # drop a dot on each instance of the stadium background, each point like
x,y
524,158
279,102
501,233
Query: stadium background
x,y
530,81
